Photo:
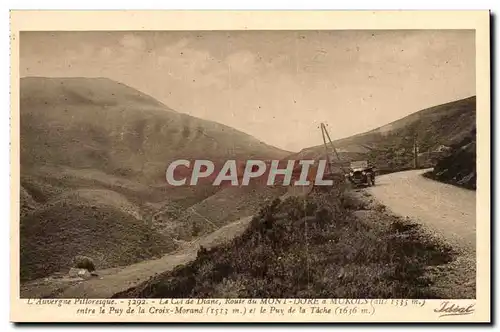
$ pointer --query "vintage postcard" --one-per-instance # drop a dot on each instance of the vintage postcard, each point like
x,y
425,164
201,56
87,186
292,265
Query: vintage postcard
x,y
218,166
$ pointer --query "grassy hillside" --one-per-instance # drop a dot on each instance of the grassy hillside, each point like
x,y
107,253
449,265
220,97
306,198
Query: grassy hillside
x,y
93,159
330,244
320,247
105,125
107,231
390,147
223,207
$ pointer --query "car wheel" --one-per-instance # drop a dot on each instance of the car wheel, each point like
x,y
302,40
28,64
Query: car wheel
x,y
369,181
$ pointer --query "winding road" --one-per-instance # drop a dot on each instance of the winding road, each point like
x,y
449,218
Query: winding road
x,y
114,280
446,210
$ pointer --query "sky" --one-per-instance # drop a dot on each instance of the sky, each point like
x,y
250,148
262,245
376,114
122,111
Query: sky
x,y
277,86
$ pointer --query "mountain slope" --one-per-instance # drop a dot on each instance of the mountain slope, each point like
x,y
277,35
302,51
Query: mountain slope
x,y
318,246
101,124
93,158
71,226
391,146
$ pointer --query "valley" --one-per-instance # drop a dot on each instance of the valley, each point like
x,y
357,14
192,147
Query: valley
x,y
94,153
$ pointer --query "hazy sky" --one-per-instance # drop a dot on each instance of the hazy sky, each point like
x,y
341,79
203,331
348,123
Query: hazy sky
x,y
275,85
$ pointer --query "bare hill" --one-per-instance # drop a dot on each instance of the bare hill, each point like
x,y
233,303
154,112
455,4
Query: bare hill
x,y
105,125
391,146
93,159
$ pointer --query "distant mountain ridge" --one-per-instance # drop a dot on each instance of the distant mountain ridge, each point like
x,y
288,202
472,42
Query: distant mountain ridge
x,y
94,154
391,145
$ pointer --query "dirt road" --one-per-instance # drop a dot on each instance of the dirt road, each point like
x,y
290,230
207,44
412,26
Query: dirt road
x,y
114,280
446,210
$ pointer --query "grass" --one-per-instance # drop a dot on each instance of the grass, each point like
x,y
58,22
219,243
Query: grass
x,y
318,247
53,236
74,212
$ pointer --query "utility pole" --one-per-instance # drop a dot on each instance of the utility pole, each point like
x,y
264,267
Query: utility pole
x,y
327,154
415,151
325,135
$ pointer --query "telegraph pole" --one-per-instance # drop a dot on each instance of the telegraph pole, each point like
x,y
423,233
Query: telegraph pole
x,y
325,135
415,151
328,162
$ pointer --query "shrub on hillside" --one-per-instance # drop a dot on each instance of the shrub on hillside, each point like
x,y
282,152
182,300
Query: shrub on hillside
x,y
459,167
290,250
84,262
52,237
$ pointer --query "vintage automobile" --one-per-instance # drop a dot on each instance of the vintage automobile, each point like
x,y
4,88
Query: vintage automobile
x,y
361,173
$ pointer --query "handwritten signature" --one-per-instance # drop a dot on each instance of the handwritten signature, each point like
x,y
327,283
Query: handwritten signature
x,y
452,309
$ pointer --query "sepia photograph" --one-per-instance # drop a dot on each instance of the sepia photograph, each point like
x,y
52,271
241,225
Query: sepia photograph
x,y
223,165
